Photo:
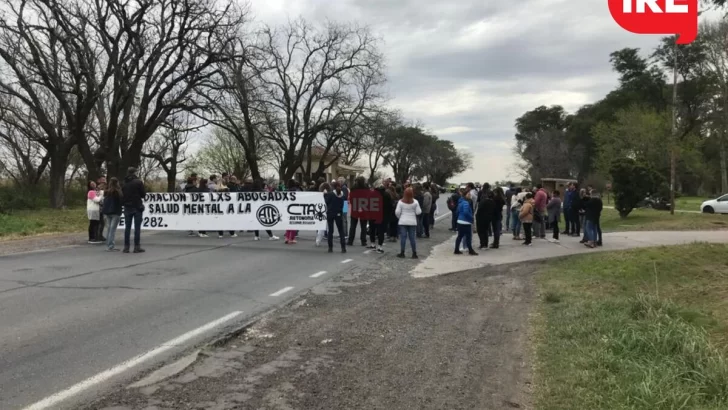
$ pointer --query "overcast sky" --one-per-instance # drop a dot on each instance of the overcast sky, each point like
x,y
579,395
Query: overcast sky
x,y
469,68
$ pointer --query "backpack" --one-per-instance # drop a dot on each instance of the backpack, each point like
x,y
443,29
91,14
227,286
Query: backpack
x,y
452,203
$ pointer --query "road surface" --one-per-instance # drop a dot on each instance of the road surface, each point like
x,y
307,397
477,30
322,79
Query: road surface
x,y
75,320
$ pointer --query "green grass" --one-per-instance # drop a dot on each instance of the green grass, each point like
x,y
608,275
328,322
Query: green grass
x,y
652,220
642,329
690,203
42,221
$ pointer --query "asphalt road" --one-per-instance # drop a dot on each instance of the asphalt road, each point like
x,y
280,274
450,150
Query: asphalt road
x,y
79,315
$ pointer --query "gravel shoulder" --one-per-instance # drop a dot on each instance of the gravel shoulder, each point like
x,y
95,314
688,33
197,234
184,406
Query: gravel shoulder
x,y
373,338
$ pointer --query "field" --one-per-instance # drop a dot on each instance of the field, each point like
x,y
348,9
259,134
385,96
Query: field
x,y
642,329
42,221
651,220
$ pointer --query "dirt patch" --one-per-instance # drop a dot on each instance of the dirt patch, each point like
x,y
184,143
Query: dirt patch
x,y
382,340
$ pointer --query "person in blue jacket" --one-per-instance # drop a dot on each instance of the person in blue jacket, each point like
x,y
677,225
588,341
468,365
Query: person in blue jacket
x,y
465,226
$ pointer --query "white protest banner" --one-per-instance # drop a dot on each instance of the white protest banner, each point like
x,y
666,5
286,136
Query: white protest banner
x,y
234,211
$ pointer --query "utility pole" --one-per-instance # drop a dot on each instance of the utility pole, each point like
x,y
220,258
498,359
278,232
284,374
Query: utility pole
x,y
673,145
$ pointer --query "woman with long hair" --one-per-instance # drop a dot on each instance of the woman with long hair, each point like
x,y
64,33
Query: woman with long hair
x,y
112,211
407,211
93,199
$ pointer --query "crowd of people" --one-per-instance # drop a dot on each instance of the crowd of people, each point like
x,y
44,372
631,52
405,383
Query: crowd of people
x,y
409,212
532,210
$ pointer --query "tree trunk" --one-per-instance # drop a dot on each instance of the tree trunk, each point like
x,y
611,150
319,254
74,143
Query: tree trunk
x,y
57,175
723,166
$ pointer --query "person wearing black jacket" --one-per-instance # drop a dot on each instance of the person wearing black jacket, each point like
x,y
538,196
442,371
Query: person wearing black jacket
x,y
334,215
133,194
203,187
483,217
592,215
496,224
112,210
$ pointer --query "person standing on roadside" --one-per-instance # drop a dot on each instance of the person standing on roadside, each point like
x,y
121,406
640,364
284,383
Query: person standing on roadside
x,y
435,192
426,209
334,198
359,184
496,226
510,193
483,217
554,211
112,211
407,211
345,214
93,199
465,225
539,213
526,216
133,194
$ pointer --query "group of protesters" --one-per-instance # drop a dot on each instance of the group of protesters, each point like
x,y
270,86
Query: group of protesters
x,y
534,210
105,203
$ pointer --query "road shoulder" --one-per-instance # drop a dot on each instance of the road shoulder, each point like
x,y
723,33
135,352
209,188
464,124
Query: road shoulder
x,y
372,339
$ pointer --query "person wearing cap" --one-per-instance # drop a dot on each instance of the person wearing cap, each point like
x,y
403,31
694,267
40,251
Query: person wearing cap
x,y
133,195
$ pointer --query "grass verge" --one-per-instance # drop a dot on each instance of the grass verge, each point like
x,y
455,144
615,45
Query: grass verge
x,y
642,329
42,221
652,220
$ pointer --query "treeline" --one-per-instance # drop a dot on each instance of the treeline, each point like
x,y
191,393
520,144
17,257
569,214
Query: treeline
x,y
90,88
634,121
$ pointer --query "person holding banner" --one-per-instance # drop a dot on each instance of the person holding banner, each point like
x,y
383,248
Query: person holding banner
x,y
334,215
359,184
204,187
291,234
259,186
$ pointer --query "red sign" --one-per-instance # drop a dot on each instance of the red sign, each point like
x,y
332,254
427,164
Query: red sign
x,y
366,204
658,17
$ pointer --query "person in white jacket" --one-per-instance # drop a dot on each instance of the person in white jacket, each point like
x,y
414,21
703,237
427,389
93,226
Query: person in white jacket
x,y
93,210
407,211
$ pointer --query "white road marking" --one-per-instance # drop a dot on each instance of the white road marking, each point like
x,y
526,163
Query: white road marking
x,y
317,274
443,217
347,260
52,401
282,291
367,252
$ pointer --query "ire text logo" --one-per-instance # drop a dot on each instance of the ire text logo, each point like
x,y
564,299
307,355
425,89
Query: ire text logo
x,y
658,17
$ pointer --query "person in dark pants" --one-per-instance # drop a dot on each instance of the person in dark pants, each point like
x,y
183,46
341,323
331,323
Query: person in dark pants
x,y
554,211
593,216
483,218
376,235
568,199
133,193
392,216
526,216
496,224
359,183
576,204
101,187
334,215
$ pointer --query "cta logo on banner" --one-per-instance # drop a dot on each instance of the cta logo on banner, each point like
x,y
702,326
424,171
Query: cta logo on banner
x,y
233,211
366,204
658,17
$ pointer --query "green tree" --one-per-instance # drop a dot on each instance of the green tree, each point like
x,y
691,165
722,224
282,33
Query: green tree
x,y
631,182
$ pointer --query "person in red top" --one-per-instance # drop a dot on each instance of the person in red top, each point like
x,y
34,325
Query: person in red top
x,y
539,225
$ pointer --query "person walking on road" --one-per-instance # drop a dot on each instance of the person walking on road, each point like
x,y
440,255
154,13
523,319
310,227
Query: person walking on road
x,y
427,207
133,194
111,210
407,211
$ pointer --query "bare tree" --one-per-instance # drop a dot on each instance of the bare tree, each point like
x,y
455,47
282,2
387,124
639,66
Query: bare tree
x,y
169,147
24,158
157,53
314,80
43,44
